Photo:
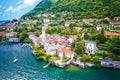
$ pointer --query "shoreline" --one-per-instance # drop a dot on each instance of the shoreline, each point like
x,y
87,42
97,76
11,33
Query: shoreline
x,y
33,52
71,63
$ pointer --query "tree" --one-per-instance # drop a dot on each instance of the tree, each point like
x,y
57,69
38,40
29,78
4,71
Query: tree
x,y
63,56
113,45
86,36
95,60
79,47
37,34
27,40
23,35
85,58
73,46
75,57
100,38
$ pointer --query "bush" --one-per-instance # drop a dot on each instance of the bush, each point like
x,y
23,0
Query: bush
x,y
65,60
75,57
95,60
85,58
28,40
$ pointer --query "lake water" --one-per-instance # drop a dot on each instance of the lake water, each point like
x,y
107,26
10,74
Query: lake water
x,y
28,68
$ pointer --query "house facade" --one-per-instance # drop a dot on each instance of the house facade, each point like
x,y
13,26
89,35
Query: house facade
x,y
65,52
11,34
90,47
115,24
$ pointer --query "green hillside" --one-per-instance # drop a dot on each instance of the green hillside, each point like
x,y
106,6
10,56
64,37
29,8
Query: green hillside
x,y
81,8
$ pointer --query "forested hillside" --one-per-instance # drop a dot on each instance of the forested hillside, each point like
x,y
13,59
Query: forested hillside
x,y
81,8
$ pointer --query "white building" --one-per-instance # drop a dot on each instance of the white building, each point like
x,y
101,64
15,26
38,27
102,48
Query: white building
x,y
11,34
14,40
36,40
65,51
46,20
90,47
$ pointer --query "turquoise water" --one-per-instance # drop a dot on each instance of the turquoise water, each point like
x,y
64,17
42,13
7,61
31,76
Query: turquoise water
x,y
28,68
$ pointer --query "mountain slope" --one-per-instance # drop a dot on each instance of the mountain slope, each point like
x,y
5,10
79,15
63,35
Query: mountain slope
x,y
82,8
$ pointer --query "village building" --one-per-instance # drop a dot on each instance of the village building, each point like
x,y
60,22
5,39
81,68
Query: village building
x,y
90,47
98,28
11,34
2,34
90,20
117,18
14,40
68,22
54,42
71,39
112,34
10,26
37,42
65,51
115,24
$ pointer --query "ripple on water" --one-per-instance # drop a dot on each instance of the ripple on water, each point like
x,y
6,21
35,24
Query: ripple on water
x,y
28,68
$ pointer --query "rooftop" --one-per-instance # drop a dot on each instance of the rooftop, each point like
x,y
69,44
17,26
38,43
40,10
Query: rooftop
x,y
65,50
109,34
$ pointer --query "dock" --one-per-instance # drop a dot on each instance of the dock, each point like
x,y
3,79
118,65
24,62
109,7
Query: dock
x,y
47,65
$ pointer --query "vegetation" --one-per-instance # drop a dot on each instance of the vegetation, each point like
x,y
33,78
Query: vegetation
x,y
54,24
81,8
113,45
95,60
75,56
24,36
78,46
65,60
52,59
85,58
37,34
61,31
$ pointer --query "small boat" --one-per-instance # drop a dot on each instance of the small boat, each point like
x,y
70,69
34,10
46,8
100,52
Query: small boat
x,y
15,60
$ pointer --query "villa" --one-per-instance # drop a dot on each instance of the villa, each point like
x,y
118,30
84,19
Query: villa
x,y
90,47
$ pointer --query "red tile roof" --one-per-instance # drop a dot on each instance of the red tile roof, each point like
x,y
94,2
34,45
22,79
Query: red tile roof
x,y
65,50
2,34
110,34
113,23
38,40
108,19
74,37
55,40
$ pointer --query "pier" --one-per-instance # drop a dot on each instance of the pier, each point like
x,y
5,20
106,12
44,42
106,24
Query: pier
x,y
47,65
